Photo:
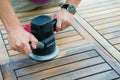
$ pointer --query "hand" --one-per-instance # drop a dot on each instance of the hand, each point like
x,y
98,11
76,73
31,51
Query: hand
x,y
19,40
64,19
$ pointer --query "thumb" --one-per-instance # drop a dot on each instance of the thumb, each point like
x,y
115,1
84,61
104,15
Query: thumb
x,y
33,41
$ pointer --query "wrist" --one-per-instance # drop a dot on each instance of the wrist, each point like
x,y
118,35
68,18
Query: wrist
x,y
13,29
69,7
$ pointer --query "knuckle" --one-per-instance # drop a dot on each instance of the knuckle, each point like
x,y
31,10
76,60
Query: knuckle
x,y
18,45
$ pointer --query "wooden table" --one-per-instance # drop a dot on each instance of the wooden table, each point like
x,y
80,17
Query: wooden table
x,y
89,49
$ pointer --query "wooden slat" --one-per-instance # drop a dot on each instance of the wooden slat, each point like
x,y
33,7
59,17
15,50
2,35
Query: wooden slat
x,y
98,37
4,58
117,79
112,35
1,78
28,18
13,53
68,39
63,69
63,53
106,20
102,16
117,46
101,12
1,27
87,7
5,36
70,28
107,25
115,40
66,34
109,30
3,31
74,75
98,9
56,63
8,47
109,75
6,41
8,73
37,12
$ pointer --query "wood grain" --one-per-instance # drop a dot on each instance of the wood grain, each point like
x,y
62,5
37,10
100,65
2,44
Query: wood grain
x,y
108,75
106,20
4,58
115,40
107,25
102,8
1,78
109,30
61,69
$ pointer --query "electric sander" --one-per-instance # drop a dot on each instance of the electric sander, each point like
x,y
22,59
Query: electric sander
x,y
43,27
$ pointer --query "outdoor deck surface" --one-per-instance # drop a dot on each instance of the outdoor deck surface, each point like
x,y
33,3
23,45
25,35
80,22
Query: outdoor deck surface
x,y
89,49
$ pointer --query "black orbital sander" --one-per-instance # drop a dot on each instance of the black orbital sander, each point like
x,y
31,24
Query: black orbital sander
x,y
43,27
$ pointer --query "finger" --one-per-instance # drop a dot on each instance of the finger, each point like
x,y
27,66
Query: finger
x,y
33,41
58,25
27,49
53,16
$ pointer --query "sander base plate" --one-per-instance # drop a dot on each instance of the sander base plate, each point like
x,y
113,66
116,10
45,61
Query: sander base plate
x,y
46,57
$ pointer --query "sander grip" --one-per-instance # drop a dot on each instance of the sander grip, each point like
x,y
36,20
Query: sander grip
x,y
54,22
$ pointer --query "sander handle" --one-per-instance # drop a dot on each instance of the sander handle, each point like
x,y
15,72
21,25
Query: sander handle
x,y
54,22
40,45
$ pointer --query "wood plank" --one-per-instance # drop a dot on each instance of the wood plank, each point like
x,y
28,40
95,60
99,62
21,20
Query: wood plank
x,y
37,12
1,78
112,35
66,34
62,35
117,79
105,20
117,46
28,18
5,36
56,63
8,47
99,13
79,74
115,40
3,31
6,41
107,25
102,16
13,53
4,58
87,7
108,75
8,73
63,48
98,9
70,28
107,46
109,30
62,69
1,27
63,53
72,44
68,39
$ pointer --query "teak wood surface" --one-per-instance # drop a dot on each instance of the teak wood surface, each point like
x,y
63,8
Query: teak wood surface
x,y
89,49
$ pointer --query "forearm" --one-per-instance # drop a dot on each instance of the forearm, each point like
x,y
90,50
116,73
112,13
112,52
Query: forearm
x,y
73,2
8,16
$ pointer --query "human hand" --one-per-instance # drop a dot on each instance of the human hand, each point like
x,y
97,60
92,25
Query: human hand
x,y
64,19
19,40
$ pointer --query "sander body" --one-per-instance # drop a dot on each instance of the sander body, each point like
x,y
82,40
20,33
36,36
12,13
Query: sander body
x,y
43,27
